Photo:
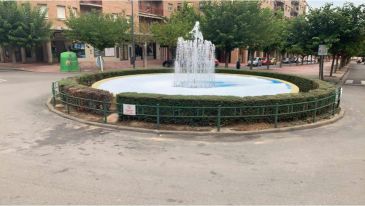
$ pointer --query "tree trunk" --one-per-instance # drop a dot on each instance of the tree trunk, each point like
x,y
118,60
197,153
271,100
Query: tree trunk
x,y
145,55
226,55
23,56
268,59
2,56
281,61
251,58
12,53
321,68
336,67
332,65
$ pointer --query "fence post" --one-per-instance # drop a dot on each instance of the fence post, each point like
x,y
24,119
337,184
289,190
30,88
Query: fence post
x,y
67,106
104,111
53,94
315,110
219,118
334,103
276,115
158,116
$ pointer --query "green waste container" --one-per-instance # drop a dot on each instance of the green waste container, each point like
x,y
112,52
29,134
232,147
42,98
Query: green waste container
x,y
69,62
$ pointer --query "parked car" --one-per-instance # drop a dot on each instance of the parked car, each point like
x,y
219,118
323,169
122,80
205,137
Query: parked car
x,y
273,61
286,61
257,61
289,60
216,63
266,61
168,63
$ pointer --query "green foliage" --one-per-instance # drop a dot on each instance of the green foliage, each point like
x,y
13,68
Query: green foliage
x,y
258,108
310,90
22,26
178,25
97,29
89,79
83,98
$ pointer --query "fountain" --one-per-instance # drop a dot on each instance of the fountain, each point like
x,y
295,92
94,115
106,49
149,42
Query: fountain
x,y
194,65
195,76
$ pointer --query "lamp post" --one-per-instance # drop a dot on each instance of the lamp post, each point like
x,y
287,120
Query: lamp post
x,y
133,55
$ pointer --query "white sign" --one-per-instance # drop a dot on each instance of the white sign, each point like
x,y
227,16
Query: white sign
x,y
322,50
129,109
109,52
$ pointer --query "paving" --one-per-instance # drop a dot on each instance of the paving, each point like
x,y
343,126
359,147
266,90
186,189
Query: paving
x,y
357,76
46,159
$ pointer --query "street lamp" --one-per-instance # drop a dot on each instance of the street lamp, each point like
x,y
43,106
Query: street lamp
x,y
133,55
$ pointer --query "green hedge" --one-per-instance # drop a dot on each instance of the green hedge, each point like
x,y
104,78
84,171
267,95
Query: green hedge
x,y
89,79
83,98
309,91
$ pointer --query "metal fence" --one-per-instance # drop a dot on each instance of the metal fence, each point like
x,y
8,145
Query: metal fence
x,y
158,113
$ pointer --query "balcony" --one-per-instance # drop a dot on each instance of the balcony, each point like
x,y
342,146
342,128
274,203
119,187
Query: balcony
x,y
295,2
92,3
279,5
153,9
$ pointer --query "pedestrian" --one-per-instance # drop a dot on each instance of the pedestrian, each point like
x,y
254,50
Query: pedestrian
x,y
238,64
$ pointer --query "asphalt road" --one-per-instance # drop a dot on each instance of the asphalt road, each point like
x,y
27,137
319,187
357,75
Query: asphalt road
x,y
46,159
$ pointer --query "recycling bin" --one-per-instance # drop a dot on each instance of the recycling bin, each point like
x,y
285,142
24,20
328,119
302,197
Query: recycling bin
x,y
69,62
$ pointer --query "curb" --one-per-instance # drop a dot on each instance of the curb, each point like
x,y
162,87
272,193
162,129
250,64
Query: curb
x,y
197,133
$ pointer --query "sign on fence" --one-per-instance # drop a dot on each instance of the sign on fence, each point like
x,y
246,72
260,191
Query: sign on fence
x,y
322,50
129,109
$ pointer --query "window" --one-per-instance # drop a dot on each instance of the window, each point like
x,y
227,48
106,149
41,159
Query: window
x,y
61,12
43,9
170,7
179,6
74,11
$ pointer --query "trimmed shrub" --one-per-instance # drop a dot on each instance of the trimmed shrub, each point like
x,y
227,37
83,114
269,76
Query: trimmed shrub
x,y
89,79
84,99
189,109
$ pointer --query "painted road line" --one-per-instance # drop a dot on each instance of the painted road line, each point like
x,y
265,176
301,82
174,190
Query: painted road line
x,y
349,81
2,80
362,82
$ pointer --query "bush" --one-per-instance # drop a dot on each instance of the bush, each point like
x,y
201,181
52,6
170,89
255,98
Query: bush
x,y
84,99
256,109
189,109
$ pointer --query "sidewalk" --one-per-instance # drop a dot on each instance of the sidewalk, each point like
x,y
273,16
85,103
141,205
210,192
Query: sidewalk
x,y
308,70
85,66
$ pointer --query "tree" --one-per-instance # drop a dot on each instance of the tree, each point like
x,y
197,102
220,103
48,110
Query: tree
x,y
276,28
22,26
226,23
99,30
178,25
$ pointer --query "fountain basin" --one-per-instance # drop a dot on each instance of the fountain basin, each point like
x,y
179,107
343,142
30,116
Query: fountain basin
x,y
224,85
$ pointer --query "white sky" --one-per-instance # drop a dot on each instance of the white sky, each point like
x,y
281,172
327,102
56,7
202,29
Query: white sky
x,y
319,3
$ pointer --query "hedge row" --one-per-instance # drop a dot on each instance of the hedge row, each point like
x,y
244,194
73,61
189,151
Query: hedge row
x,y
83,98
248,106
310,90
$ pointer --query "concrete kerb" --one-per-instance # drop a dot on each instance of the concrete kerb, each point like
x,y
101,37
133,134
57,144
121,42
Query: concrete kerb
x,y
198,133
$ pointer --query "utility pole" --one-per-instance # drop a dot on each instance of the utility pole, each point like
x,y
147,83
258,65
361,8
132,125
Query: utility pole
x,y
133,55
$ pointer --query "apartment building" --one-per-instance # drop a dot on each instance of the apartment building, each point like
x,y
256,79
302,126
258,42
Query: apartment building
x,y
57,11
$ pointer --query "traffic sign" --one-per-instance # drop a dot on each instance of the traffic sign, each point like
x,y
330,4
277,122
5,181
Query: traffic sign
x,y
322,50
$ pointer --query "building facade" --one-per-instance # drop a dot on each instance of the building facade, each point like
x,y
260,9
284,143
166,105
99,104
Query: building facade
x,y
57,11
146,12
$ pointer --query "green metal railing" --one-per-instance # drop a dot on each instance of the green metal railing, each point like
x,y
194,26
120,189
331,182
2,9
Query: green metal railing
x,y
158,113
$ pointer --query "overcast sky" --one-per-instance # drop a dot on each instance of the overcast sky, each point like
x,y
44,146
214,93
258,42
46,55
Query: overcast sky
x,y
319,3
